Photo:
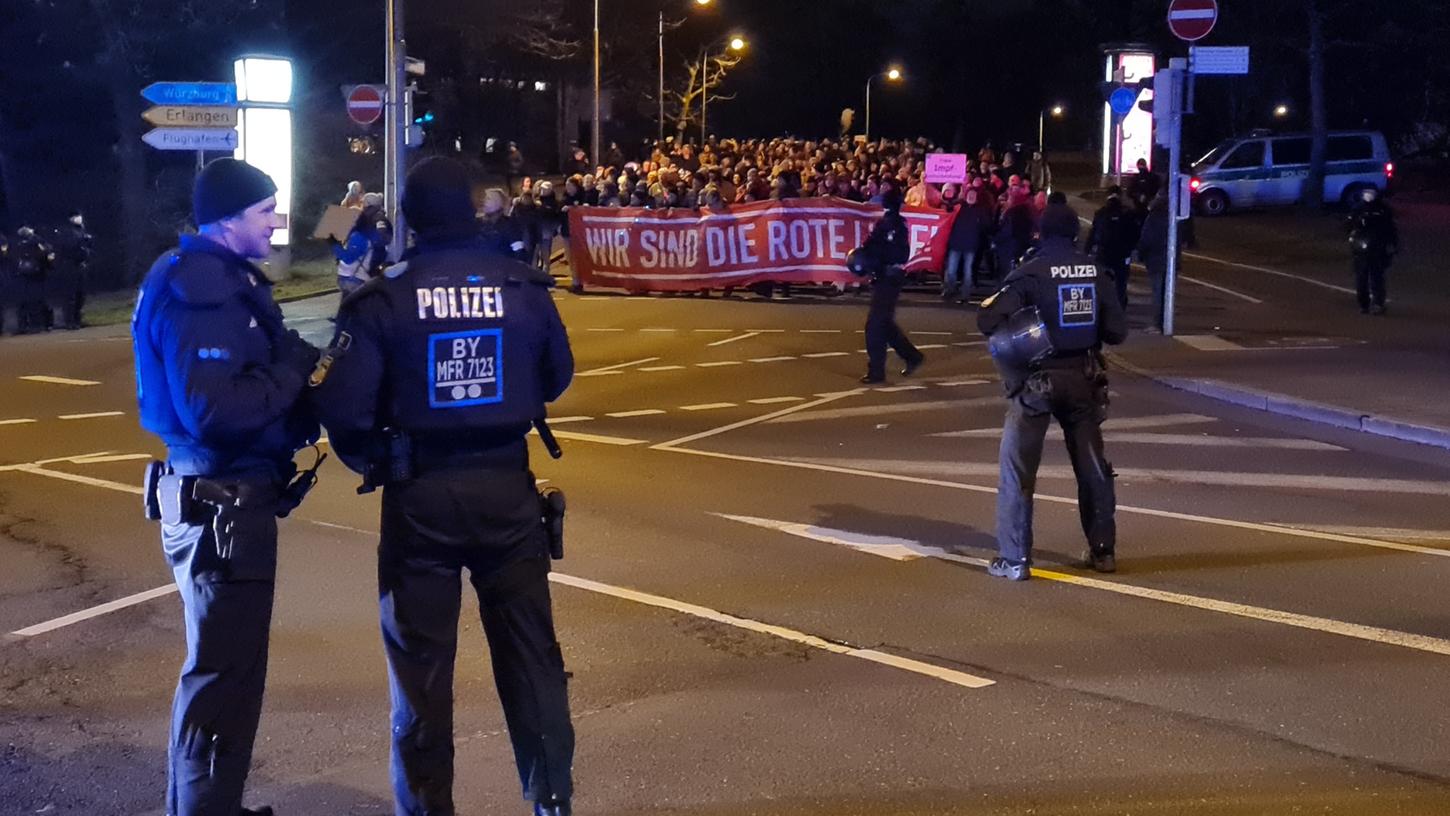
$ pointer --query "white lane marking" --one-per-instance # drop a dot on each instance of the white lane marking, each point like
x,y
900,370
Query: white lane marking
x,y
916,666
341,527
728,340
1391,533
769,359
95,611
975,488
16,421
567,419
665,331
767,331
893,389
119,457
933,334
605,330
775,400
603,440
824,354
820,331
1224,289
718,363
707,406
1199,440
906,550
1267,271
955,383
639,413
714,331
1156,421
970,343
598,373
615,367
1207,342
43,378
92,416
663,368
754,420
75,477
893,408
930,346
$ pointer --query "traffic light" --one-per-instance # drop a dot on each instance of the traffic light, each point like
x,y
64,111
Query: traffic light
x,y
424,118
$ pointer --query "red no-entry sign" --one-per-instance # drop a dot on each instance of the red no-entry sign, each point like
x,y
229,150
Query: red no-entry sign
x,y
1191,20
365,104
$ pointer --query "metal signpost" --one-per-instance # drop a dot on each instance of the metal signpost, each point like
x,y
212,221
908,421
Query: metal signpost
x,y
197,116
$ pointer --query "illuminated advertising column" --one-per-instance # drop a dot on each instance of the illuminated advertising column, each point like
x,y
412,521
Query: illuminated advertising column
x,y
264,130
1134,137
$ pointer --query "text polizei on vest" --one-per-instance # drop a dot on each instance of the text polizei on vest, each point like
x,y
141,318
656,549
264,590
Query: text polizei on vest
x,y
454,302
1075,271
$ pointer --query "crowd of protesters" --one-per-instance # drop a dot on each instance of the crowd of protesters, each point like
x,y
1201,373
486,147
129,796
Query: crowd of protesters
x,y
43,276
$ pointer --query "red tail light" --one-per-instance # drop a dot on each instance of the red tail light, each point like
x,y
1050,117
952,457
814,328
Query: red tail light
x,y
1389,170
1194,184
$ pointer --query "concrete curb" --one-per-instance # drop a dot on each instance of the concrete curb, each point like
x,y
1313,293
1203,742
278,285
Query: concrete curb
x,y
1308,410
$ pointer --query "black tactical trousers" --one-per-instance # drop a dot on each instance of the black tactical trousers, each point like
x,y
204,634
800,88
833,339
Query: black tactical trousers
x,y
881,328
1369,278
1070,396
432,529
1119,269
228,608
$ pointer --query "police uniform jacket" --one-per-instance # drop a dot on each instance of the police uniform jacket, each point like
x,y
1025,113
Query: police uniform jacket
x,y
460,347
1074,297
218,376
887,242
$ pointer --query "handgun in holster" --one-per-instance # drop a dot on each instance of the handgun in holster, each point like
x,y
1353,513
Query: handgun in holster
x,y
551,515
395,464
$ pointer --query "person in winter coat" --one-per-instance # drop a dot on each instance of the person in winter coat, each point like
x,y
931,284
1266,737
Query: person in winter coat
x,y
1153,252
969,230
1014,231
1111,241
1039,172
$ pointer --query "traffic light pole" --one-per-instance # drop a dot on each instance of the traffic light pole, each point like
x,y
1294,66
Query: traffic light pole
x,y
1177,69
395,159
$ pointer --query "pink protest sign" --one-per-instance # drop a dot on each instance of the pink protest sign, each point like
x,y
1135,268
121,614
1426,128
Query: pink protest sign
x,y
946,168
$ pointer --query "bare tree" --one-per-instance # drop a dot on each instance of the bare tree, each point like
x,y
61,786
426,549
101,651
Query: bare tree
x,y
702,79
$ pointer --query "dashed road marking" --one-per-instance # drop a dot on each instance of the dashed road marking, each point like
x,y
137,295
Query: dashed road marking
x,y
933,334
44,378
713,331
893,389
663,368
16,421
660,331
93,415
820,355
605,330
775,400
615,367
598,373
680,607
958,383
94,612
707,406
769,359
718,363
639,413
933,346
603,440
820,331
567,419
970,344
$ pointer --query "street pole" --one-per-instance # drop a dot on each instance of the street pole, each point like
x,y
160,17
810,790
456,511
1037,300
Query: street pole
x,y
1041,125
395,160
595,142
704,92
867,131
661,136
1177,67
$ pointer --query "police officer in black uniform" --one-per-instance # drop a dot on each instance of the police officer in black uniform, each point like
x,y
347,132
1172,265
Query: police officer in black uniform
x,y
8,283
219,380
888,249
32,258
1374,241
1077,311
73,249
437,370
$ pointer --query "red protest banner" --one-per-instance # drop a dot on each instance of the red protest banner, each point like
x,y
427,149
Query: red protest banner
x,y
797,240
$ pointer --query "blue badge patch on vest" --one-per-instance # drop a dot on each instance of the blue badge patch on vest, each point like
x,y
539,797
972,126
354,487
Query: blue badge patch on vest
x,y
1077,305
465,368
214,353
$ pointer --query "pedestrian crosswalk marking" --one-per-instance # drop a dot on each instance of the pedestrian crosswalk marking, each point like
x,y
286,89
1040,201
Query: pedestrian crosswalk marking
x,y
45,378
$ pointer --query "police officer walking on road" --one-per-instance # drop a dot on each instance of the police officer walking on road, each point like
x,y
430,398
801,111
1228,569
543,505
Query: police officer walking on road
x,y
219,380
436,373
1374,240
1046,327
883,255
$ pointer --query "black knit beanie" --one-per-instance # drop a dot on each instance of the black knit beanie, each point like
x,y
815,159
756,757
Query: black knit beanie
x,y
437,196
1059,221
225,187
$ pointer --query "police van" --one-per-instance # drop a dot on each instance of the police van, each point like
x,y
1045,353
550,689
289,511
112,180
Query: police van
x,y
1268,170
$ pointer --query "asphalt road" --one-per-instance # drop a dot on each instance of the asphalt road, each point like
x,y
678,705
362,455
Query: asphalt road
x,y
774,599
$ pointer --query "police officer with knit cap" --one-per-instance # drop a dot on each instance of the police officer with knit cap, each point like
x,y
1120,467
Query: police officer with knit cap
x,y
219,379
436,372
888,249
1046,327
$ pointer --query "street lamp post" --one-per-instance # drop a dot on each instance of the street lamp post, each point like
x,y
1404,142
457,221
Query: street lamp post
x,y
594,141
661,136
736,44
1057,111
894,74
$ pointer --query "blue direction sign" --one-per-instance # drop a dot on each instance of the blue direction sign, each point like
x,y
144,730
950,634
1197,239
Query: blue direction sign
x,y
190,93
1122,100
191,138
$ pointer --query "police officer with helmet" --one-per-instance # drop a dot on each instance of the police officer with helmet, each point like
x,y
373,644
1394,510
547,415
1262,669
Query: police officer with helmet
x,y
219,379
1046,327
882,257
436,373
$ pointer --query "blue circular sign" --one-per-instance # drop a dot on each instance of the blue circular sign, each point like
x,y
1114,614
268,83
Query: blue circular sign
x,y
1121,100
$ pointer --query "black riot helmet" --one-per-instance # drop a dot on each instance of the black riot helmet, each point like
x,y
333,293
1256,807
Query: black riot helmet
x,y
861,261
1021,343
